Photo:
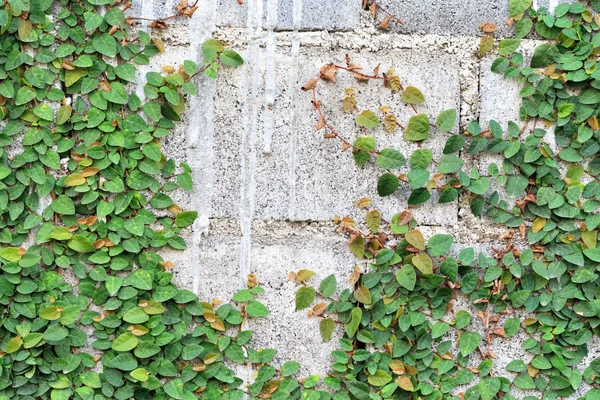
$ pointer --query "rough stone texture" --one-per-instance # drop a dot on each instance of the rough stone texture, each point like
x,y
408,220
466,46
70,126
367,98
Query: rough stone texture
x,y
267,185
446,17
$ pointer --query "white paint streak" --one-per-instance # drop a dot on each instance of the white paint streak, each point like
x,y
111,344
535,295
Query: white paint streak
x,y
270,77
142,9
200,137
293,133
552,5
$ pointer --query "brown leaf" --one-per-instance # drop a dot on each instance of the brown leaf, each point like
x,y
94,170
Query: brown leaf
x,y
488,27
385,24
593,123
321,124
373,9
319,309
328,72
311,84
405,217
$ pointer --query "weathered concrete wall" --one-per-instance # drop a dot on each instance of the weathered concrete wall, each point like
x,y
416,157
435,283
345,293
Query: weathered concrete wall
x,y
267,185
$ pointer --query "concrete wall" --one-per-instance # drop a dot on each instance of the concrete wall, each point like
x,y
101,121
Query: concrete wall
x,y
267,185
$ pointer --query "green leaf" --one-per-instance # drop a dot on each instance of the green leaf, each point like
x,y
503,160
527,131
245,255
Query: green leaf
x,y
328,286
367,119
81,244
407,277
105,45
449,163
379,378
136,315
387,184
488,387
390,159
439,244
511,326
186,218
412,95
446,120
508,46
174,389
125,342
469,341
290,368
140,279
418,128
14,344
516,185
355,317
231,58
305,297
256,309
140,374
326,328
544,55
91,379
518,7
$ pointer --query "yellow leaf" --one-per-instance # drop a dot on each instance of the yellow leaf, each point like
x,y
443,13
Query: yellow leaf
x,y
423,263
405,383
416,239
74,180
363,295
538,224
303,275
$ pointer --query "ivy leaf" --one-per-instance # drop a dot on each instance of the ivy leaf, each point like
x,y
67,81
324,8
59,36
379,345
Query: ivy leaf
x,y
416,239
355,318
328,286
516,185
508,46
174,389
105,45
387,184
418,128
326,329
407,277
390,159
423,263
544,55
231,58
257,309
379,378
449,163
412,95
186,218
469,341
81,244
488,387
305,297
439,244
518,7
367,119
446,120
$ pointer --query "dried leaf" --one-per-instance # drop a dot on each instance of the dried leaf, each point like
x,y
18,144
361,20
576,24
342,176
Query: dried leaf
x,y
328,71
385,24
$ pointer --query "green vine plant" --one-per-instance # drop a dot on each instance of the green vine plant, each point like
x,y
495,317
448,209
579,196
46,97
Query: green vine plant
x,y
397,319
82,170
81,174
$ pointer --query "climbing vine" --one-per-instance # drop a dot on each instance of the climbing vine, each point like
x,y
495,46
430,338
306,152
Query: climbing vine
x,y
402,338
90,309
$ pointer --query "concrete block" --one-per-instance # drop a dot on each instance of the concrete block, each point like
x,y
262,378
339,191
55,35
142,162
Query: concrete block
x,y
296,336
447,17
299,175
290,14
